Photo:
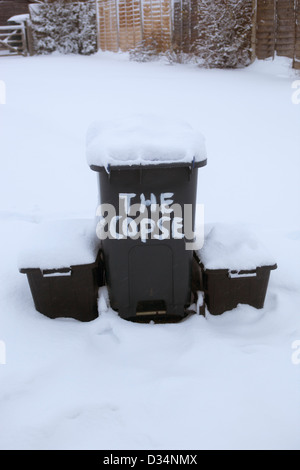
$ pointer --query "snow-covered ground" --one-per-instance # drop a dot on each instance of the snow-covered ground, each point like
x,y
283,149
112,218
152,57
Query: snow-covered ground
x,y
215,383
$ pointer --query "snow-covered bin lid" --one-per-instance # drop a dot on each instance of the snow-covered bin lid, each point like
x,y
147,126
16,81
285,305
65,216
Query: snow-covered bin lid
x,y
59,244
143,140
233,247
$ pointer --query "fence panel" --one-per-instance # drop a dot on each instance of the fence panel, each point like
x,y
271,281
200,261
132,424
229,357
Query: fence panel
x,y
157,23
265,29
297,38
130,24
285,31
108,25
124,24
185,22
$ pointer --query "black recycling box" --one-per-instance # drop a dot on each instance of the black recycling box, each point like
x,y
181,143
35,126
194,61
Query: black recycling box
x,y
67,292
63,263
225,289
147,171
149,278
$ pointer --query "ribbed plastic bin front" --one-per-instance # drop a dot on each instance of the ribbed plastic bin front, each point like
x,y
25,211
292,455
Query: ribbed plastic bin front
x,y
68,292
149,278
225,289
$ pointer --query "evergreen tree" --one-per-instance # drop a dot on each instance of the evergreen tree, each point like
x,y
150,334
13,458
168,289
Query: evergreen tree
x,y
69,28
224,33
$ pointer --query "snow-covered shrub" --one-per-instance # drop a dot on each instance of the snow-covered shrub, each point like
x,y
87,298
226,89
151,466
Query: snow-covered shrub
x,y
65,27
224,32
145,51
151,47
177,56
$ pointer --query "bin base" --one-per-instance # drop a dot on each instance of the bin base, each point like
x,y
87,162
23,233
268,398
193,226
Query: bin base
x,y
155,311
156,319
166,315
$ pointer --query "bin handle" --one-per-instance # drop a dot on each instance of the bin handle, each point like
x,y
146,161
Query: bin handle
x,y
65,273
237,275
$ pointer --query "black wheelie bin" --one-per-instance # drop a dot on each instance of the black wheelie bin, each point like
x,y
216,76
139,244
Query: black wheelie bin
x,y
147,174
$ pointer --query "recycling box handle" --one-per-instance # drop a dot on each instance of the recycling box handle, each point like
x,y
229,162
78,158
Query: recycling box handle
x,y
57,273
238,275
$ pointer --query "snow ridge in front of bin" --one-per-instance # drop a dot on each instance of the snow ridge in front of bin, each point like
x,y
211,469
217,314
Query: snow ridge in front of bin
x,y
233,247
143,140
57,244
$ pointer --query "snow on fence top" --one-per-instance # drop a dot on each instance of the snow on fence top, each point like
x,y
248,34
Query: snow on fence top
x,y
234,248
143,140
19,18
60,244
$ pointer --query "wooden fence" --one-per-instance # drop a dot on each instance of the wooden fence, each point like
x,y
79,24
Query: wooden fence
x,y
10,8
297,38
185,21
265,29
124,24
174,24
278,29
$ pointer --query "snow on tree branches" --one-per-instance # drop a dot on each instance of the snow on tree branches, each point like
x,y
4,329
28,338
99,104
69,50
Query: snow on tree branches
x,y
64,27
224,30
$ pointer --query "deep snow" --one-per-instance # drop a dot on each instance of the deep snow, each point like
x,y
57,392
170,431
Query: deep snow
x,y
220,382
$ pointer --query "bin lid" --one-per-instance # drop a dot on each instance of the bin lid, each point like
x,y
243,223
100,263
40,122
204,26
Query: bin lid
x,y
233,247
59,244
144,140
